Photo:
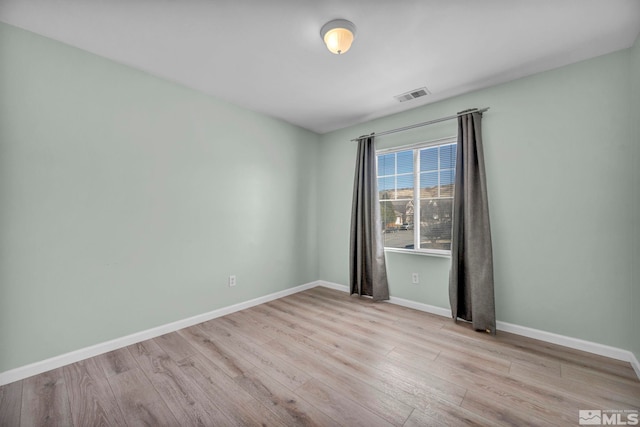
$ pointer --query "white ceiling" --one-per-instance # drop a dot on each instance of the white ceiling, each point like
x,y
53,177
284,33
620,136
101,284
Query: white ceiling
x,y
268,56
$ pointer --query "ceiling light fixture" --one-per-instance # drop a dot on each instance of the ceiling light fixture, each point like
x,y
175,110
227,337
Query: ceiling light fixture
x,y
338,35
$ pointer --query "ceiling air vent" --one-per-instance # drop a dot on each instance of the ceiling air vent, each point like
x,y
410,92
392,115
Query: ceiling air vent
x,y
416,93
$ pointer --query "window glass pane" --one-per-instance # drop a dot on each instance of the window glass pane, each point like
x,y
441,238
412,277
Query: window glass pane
x,y
387,214
428,184
387,184
386,188
395,224
448,156
436,180
446,183
429,159
405,186
387,164
404,181
405,162
447,177
435,223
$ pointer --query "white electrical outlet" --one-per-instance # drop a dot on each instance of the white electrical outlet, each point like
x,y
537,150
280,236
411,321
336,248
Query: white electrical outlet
x,y
232,280
415,278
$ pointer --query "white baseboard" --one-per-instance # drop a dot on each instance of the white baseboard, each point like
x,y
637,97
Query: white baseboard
x,y
635,364
563,340
444,312
87,352
94,350
334,286
398,301
550,337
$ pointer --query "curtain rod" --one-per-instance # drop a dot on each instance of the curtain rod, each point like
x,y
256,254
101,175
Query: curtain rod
x,y
430,122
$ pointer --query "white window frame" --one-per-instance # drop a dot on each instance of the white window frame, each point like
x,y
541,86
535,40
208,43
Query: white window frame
x,y
416,193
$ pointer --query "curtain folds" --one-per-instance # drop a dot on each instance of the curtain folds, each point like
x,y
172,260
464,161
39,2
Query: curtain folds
x,y
368,272
471,280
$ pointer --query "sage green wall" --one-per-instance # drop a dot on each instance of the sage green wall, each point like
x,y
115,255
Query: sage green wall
x,y
126,201
558,149
635,114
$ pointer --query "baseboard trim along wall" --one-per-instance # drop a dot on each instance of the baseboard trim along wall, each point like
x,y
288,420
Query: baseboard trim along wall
x,y
94,350
105,347
550,337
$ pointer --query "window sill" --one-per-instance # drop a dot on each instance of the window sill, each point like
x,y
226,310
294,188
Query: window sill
x,y
433,253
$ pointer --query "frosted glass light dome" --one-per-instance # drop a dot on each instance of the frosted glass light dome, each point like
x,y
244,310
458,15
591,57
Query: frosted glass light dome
x,y
338,35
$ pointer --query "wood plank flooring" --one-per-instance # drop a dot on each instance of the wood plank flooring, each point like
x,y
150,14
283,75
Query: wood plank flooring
x,y
322,358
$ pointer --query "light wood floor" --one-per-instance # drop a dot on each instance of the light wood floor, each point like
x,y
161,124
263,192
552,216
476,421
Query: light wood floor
x,y
323,358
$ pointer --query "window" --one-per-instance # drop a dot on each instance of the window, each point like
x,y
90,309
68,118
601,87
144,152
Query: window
x,y
415,187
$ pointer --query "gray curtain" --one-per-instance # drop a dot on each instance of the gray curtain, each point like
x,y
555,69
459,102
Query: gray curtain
x,y
471,278
368,272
